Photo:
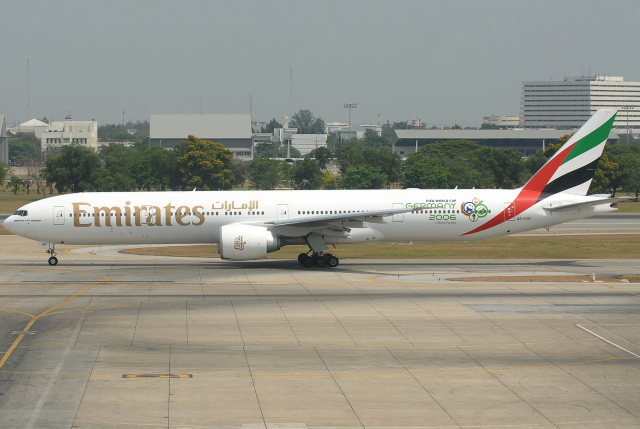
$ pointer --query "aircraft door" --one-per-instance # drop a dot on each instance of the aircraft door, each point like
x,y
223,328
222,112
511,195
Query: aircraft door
x,y
509,211
283,211
58,215
400,216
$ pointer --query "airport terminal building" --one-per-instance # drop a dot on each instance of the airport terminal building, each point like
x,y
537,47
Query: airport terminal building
x,y
573,100
232,131
525,141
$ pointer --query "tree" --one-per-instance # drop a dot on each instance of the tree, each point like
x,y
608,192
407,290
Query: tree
x,y
114,132
388,132
329,181
241,173
115,175
306,123
23,147
155,168
348,156
531,165
604,177
627,157
386,161
372,139
272,125
307,174
15,184
404,125
267,173
363,177
274,149
426,173
204,165
71,169
504,165
3,172
489,127
472,165
322,155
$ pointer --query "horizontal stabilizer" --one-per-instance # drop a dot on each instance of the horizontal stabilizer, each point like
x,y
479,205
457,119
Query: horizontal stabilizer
x,y
577,206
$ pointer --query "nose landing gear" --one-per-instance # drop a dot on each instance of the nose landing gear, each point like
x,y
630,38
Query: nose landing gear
x,y
321,259
52,251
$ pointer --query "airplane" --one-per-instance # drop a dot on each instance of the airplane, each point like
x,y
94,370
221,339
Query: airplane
x,y
247,225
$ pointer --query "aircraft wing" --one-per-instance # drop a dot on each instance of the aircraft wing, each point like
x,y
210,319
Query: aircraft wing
x,y
576,206
319,221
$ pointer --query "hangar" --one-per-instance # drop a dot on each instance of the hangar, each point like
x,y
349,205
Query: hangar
x,y
232,131
526,141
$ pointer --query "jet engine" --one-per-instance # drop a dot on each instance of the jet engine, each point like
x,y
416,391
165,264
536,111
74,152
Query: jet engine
x,y
245,242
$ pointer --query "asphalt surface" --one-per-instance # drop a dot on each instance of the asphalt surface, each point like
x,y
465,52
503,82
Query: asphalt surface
x,y
106,340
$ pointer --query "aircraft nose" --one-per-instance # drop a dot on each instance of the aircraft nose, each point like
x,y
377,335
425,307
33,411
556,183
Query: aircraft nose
x,y
9,224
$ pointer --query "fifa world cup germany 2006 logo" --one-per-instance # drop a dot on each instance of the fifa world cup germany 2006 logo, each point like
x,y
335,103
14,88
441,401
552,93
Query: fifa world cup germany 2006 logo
x,y
474,209
239,243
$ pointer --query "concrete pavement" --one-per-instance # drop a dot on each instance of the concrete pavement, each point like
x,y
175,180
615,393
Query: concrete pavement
x,y
113,340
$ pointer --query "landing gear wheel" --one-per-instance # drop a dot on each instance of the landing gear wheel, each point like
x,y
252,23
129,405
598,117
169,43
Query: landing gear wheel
x,y
307,261
53,260
332,261
301,258
320,262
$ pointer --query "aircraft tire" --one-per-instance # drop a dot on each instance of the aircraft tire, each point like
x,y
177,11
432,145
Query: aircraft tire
x,y
301,258
332,261
53,260
308,261
320,262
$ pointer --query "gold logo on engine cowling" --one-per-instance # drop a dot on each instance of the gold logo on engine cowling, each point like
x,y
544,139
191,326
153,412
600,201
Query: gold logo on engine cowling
x,y
239,243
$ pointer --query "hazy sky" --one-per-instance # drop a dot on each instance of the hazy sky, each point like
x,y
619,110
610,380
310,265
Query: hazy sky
x,y
440,61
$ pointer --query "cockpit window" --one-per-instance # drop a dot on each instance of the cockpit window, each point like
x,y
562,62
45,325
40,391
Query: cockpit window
x,y
20,213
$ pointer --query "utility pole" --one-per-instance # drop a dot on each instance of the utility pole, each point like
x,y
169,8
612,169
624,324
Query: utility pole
x,y
28,92
123,119
350,106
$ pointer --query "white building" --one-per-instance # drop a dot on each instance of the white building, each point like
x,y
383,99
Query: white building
x,y
28,127
357,131
334,127
4,142
502,121
62,133
305,143
572,101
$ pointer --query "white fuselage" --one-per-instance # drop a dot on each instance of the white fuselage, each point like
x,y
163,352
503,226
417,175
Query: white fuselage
x,y
196,217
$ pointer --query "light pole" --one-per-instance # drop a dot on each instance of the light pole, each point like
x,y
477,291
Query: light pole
x,y
627,108
350,106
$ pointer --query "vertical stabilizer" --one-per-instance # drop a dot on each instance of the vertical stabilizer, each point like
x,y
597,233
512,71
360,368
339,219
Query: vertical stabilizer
x,y
571,169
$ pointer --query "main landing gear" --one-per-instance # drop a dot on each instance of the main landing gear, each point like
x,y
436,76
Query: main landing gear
x,y
52,251
320,259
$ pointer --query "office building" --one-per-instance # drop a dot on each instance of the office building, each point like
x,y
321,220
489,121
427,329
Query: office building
x,y
571,101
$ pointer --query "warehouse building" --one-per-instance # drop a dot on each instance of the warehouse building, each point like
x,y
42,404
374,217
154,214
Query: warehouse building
x,y
525,141
232,131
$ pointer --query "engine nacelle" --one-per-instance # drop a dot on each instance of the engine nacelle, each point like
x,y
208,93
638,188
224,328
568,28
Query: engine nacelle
x,y
246,242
